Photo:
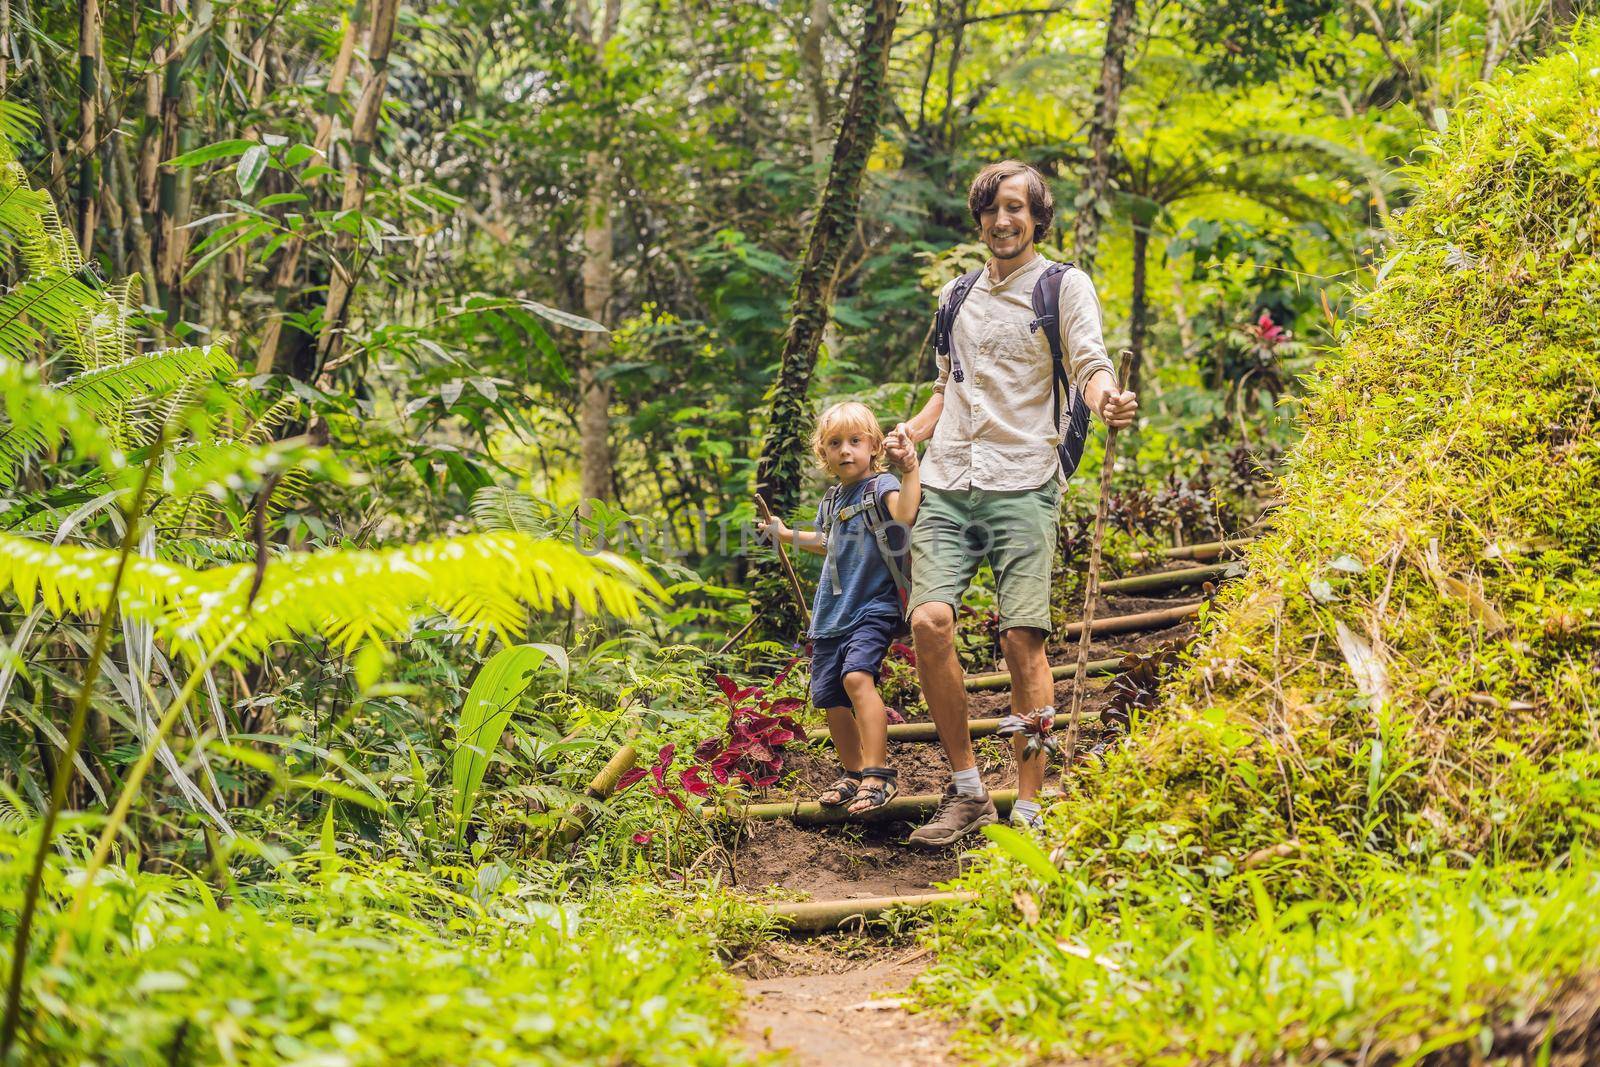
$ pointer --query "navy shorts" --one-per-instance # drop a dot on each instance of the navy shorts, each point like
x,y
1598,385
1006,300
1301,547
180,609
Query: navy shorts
x,y
862,649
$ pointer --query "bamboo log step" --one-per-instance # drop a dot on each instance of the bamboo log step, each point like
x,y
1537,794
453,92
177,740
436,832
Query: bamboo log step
x,y
1002,679
821,916
1139,622
1162,581
599,789
810,813
925,731
1204,552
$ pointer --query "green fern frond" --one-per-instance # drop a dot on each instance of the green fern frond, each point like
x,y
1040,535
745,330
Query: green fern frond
x,y
279,412
38,414
21,206
150,375
51,302
495,507
484,583
18,122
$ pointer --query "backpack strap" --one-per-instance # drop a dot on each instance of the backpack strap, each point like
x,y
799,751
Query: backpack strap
x,y
944,321
830,566
878,521
1047,317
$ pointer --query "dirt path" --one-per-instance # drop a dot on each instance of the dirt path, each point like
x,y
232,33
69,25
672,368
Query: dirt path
x,y
824,1008
840,999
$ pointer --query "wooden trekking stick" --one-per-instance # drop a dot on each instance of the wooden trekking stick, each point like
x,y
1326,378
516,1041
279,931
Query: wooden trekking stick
x,y
1092,591
783,557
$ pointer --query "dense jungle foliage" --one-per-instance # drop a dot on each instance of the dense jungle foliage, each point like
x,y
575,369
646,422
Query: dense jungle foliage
x,y
385,385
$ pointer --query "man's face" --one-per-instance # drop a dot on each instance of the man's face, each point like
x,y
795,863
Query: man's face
x,y
1007,223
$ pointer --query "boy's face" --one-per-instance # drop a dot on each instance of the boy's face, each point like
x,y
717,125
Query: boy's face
x,y
848,454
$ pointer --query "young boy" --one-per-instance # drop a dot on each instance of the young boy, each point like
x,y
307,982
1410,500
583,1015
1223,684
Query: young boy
x,y
857,610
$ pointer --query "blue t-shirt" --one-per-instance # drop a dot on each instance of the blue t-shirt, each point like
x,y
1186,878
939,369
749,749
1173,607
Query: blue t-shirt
x,y
855,583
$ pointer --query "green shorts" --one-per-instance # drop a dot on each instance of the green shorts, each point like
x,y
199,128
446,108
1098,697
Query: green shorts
x,y
957,530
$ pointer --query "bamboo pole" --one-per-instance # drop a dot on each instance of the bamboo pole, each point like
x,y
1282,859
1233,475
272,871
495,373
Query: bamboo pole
x,y
600,788
1002,679
1091,594
923,731
1163,581
1140,622
88,139
820,916
810,813
1205,552
363,135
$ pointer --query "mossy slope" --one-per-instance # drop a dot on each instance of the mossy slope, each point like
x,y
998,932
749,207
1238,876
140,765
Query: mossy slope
x,y
1402,695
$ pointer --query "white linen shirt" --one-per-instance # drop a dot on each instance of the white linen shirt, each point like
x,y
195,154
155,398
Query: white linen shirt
x,y
996,431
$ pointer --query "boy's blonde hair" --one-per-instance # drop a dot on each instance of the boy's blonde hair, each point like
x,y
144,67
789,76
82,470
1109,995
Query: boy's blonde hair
x,y
850,416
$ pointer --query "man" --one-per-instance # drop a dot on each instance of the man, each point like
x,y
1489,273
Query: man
x,y
992,482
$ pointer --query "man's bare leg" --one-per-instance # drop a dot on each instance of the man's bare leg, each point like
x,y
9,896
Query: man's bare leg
x,y
965,805
1031,689
933,631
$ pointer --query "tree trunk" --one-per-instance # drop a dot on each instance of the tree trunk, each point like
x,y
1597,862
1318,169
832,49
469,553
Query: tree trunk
x,y
594,392
1139,302
363,132
783,448
1094,199
288,266
88,98
177,136
5,46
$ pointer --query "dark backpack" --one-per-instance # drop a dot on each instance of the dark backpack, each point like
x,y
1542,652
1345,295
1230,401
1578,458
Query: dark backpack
x,y
879,523
1046,317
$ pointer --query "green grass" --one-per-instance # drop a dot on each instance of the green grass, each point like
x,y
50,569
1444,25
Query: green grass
x,y
353,962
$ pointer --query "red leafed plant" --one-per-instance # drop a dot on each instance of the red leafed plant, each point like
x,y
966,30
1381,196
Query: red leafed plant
x,y
758,728
658,771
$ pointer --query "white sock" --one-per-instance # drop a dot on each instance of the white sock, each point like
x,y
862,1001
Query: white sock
x,y
1027,811
968,782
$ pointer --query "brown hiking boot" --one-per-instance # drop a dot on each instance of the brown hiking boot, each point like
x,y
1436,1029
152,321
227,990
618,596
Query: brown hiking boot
x,y
957,817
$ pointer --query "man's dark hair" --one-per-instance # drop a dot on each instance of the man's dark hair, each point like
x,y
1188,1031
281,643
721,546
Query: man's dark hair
x,y
1041,204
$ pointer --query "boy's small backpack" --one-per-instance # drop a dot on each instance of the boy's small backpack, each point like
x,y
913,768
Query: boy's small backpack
x,y
1046,317
879,524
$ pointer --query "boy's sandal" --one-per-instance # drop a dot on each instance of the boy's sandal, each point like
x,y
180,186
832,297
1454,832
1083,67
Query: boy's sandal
x,y
844,789
880,794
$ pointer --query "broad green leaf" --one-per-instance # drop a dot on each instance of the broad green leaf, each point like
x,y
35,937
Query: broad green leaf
x,y
251,166
488,707
206,153
564,318
1023,849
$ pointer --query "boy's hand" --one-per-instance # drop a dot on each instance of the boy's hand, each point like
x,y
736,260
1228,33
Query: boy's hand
x,y
771,530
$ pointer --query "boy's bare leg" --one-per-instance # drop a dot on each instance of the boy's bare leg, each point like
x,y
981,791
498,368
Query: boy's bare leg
x,y
933,630
846,739
871,725
1031,689
847,746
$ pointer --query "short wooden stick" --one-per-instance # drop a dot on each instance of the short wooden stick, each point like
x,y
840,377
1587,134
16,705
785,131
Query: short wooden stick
x,y
1201,553
599,789
1162,581
820,916
924,731
1002,679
